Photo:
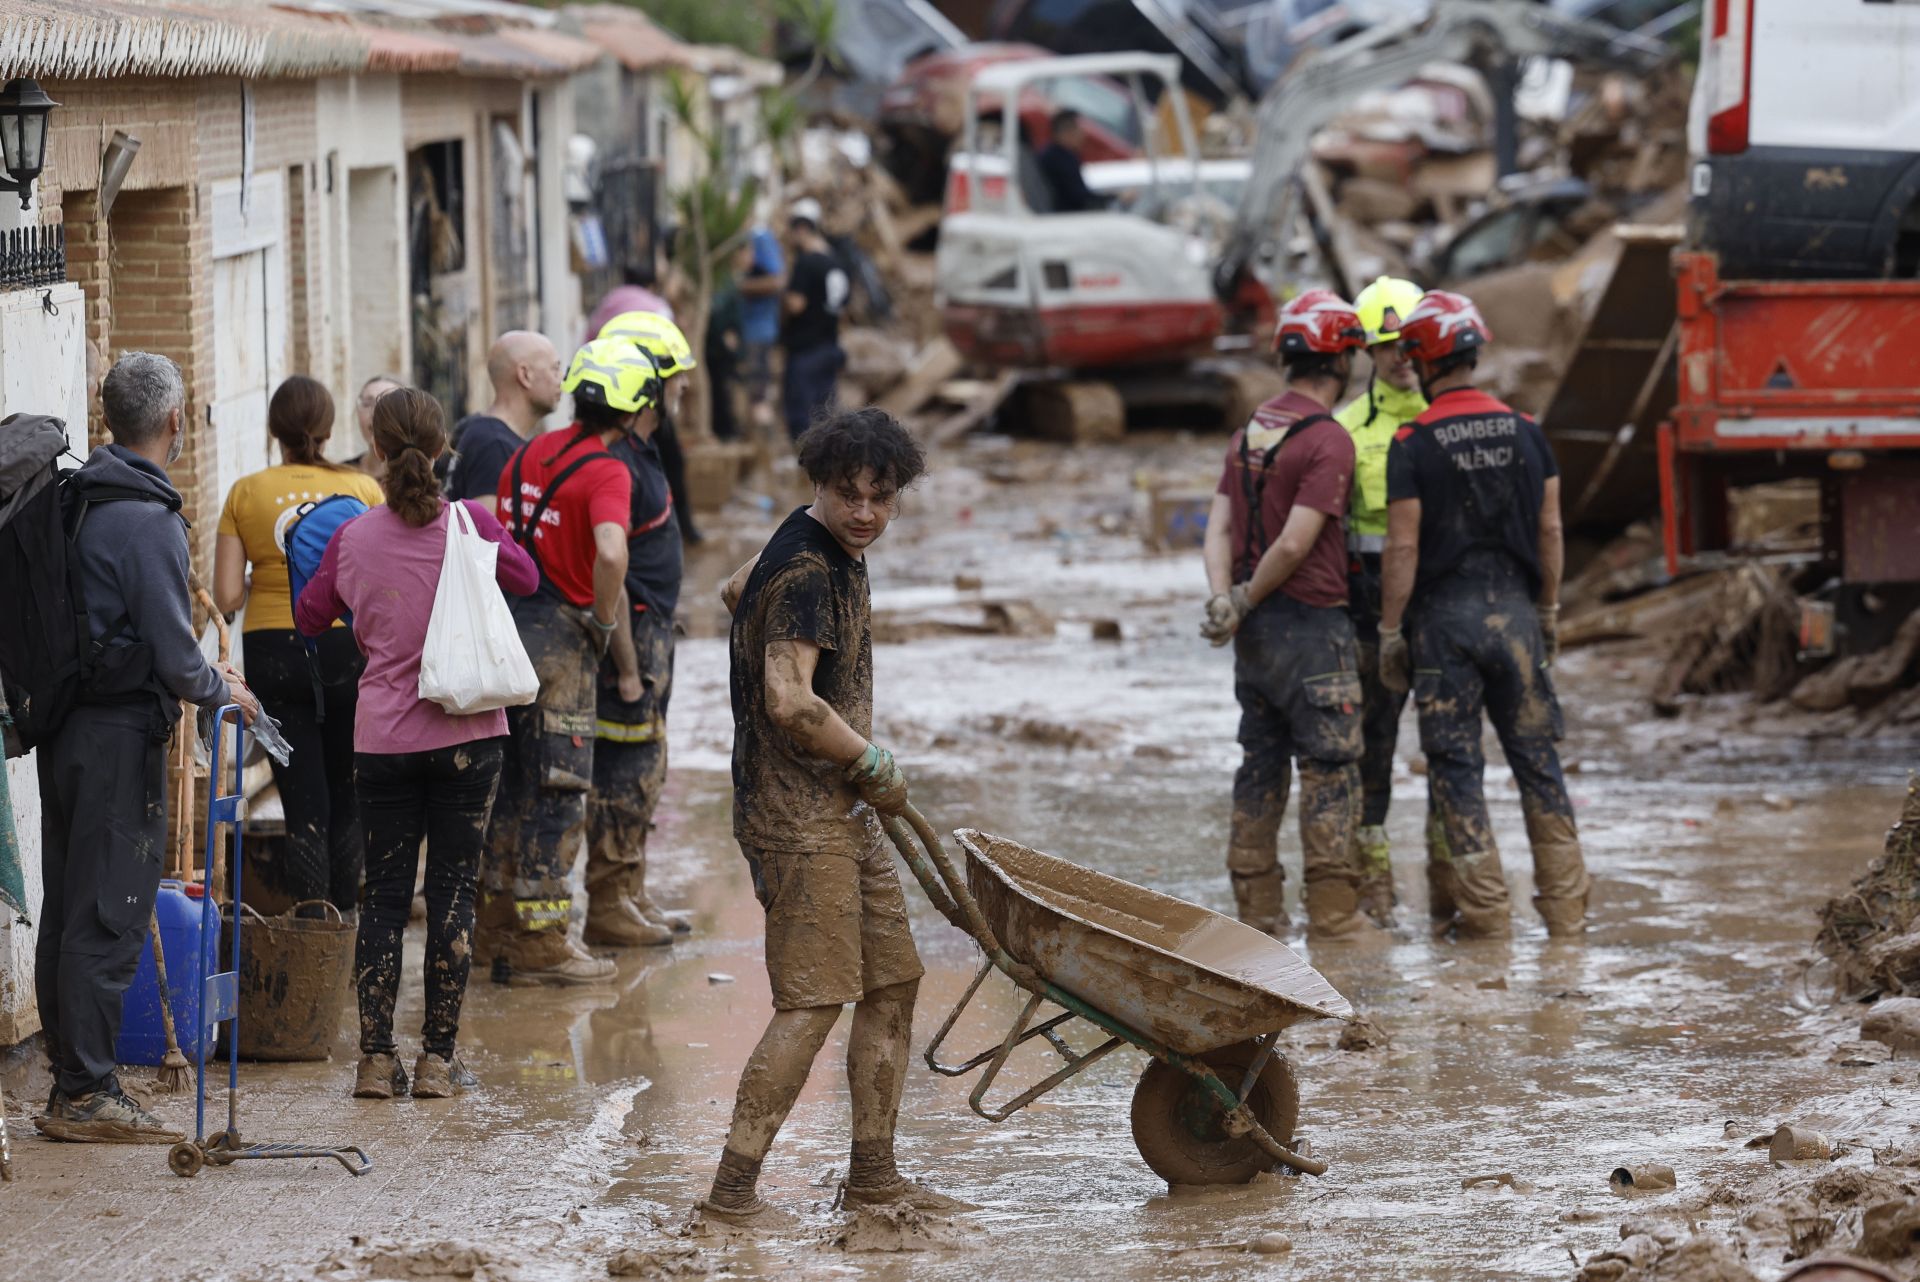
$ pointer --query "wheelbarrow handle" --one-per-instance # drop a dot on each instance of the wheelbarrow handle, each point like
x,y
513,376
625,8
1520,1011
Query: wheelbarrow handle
x,y
936,875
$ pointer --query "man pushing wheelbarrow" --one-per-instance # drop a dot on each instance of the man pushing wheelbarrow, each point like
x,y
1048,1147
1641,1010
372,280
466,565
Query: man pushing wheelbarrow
x,y
1205,996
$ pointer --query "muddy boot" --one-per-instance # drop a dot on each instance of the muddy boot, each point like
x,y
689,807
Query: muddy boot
x,y
677,922
379,1077
1261,900
1333,912
105,1116
1374,858
902,1192
1560,879
1442,884
1565,918
437,1078
548,957
758,1216
615,921
493,921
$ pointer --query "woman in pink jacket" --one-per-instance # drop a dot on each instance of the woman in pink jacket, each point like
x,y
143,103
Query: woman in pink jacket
x,y
421,772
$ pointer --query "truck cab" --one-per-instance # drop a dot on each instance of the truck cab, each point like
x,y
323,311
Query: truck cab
x,y
1805,133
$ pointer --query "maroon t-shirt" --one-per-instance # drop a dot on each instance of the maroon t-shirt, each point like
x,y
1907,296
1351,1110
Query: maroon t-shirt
x,y
1315,468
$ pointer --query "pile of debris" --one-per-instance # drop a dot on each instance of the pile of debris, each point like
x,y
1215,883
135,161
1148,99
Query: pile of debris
x,y
1872,932
1739,627
1405,184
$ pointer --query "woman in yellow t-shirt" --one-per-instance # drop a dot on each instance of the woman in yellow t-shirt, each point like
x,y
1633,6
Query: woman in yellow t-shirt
x,y
312,700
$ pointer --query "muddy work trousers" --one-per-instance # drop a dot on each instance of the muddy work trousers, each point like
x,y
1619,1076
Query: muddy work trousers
x,y
443,797
1299,694
1476,647
540,814
103,834
629,759
1380,707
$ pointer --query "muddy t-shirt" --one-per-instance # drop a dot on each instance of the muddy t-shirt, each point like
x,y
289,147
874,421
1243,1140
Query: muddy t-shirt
x,y
1268,472
1480,471
805,588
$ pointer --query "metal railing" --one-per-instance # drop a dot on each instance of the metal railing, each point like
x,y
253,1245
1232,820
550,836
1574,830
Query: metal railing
x,y
33,256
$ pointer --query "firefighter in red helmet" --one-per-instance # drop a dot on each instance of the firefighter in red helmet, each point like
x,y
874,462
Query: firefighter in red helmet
x,y
1470,617
1276,559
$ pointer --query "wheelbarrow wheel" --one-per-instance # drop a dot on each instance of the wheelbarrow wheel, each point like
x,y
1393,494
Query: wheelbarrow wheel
x,y
185,1159
1179,1127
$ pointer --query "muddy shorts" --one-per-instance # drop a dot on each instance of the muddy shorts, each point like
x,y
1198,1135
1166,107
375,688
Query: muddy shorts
x,y
836,925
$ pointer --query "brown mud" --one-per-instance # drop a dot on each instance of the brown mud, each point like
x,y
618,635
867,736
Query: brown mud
x,y
1689,1004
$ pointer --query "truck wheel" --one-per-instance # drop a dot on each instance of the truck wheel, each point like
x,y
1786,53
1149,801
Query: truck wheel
x,y
1178,1125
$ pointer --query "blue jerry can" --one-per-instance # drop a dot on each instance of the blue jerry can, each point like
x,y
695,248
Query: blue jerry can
x,y
143,1038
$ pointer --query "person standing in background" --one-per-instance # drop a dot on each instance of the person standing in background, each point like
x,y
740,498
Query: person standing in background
x,y
633,294
816,293
1392,400
103,774
525,372
567,501
370,393
424,774
761,285
1475,554
311,694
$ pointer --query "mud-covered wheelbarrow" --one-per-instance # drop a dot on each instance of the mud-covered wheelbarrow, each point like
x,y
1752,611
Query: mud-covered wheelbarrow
x,y
1205,996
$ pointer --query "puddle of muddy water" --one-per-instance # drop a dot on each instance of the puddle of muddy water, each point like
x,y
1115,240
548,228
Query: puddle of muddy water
x,y
603,1111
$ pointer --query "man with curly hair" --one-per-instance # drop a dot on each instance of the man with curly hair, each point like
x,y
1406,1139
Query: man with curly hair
x,y
809,787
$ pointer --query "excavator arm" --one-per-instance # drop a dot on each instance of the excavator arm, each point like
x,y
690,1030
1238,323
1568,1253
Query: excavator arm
x,y
1482,33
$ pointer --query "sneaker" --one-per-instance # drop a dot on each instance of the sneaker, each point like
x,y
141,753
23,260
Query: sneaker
x,y
103,1117
379,1077
437,1078
902,1192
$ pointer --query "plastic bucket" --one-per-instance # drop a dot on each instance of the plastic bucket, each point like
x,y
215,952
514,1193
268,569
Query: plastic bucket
x,y
143,1038
294,971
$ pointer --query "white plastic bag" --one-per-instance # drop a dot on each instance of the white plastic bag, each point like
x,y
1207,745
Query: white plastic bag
x,y
472,660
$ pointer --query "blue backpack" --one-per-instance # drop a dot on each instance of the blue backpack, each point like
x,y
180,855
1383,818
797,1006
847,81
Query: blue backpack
x,y
312,529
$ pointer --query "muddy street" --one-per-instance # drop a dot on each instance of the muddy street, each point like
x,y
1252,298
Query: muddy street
x,y
1686,1022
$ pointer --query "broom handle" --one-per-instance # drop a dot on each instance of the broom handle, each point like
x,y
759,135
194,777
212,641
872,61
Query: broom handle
x,y
160,979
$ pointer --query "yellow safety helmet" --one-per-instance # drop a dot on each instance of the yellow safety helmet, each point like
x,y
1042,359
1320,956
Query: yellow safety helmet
x,y
660,337
616,373
1383,305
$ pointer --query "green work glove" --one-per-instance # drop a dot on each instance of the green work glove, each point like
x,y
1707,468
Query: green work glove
x,y
1550,630
1396,665
1225,610
879,780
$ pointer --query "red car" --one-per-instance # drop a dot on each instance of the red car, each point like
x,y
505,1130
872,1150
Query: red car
x,y
922,113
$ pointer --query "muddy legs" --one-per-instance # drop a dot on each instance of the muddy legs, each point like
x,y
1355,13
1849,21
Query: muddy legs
x,y
769,1085
877,1051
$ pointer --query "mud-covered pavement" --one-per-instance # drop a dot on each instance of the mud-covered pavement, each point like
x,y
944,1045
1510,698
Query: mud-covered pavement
x,y
1685,1024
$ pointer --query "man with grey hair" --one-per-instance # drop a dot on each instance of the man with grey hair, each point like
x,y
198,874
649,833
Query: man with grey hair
x,y
103,775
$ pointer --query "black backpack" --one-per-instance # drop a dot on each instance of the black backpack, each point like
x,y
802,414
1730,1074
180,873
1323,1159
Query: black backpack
x,y
48,657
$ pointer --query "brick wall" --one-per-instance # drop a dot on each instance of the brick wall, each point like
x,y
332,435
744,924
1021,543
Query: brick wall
x,y
88,247
299,251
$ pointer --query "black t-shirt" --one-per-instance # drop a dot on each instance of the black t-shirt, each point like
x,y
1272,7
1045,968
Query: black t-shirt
x,y
1066,181
654,553
824,284
1480,471
805,588
482,445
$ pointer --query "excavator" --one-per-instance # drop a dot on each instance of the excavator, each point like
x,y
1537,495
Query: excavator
x,y
1166,303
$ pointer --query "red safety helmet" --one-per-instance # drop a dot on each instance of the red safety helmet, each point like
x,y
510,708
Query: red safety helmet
x,y
1441,325
1319,321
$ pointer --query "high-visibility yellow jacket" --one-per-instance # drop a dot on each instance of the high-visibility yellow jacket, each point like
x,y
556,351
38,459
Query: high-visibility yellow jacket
x,y
1372,419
